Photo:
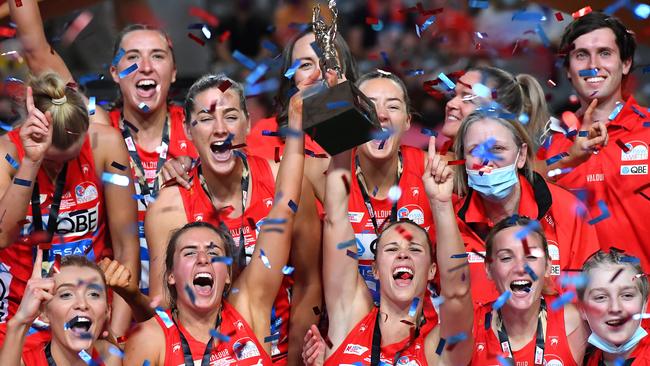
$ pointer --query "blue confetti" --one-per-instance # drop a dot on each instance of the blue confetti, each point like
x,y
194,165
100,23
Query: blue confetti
x,y
481,90
292,70
257,74
265,259
128,70
5,126
583,133
384,56
115,351
564,299
352,254
12,161
244,60
414,306
415,72
293,206
118,57
86,357
346,244
646,124
190,293
556,158
23,182
456,338
85,79
337,105
427,23
450,84
290,132
164,317
117,179
542,35
528,16
146,363
620,361
646,69
571,133
222,259
578,281
503,361
616,111
523,118
382,134
91,106
272,338
531,273
523,232
588,72
613,8
630,259
221,337
270,46
641,114
441,346
479,4
501,300
262,87
603,215
377,27
317,50
642,11
287,270
429,132
460,255
438,300
484,150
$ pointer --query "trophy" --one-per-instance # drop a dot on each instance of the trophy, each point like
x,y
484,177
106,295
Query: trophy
x,y
340,117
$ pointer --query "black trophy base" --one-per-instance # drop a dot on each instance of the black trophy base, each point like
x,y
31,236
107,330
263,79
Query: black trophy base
x,y
339,118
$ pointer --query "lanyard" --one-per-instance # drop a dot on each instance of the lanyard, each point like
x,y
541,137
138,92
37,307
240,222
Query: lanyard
x,y
50,359
245,181
135,158
539,341
366,197
187,352
376,341
37,218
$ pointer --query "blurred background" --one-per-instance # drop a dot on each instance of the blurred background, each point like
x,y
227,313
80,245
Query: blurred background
x,y
414,39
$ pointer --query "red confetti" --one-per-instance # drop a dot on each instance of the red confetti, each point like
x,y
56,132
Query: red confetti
x,y
223,87
19,3
407,322
204,15
56,266
196,39
622,145
524,242
559,16
276,154
445,146
456,162
405,233
582,12
39,237
372,20
76,27
224,36
122,339
570,119
7,32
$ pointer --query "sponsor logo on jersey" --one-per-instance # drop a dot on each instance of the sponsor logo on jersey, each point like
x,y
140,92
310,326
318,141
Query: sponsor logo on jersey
x,y
245,348
355,217
412,212
5,284
638,150
85,192
553,250
475,258
268,201
640,169
182,144
355,349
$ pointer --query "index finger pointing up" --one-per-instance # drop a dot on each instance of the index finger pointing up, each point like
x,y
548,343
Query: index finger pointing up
x,y
29,100
432,146
36,271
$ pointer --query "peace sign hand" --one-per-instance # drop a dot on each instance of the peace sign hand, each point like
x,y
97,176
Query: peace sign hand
x,y
38,291
36,132
438,177
596,138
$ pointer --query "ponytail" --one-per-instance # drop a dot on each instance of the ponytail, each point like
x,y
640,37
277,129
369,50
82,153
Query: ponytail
x,y
535,106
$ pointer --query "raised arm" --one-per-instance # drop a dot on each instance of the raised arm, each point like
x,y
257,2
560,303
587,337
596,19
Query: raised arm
x,y
16,186
456,312
38,53
121,213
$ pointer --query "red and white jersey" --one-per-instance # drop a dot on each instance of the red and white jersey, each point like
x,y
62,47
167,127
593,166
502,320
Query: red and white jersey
x,y
80,229
179,145
556,346
198,207
36,357
242,349
412,204
640,355
357,347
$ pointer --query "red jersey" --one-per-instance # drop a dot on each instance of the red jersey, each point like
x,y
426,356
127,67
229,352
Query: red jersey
x,y
357,347
618,176
179,145
556,345
570,239
36,357
81,225
242,349
265,146
412,204
198,207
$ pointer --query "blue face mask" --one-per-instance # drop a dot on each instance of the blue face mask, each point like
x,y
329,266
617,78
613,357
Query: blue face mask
x,y
497,184
608,347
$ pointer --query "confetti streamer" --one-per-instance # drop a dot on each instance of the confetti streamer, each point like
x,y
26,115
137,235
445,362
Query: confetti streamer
x,y
224,36
523,233
118,56
292,69
124,73
641,316
414,306
265,259
272,338
556,158
164,317
244,60
559,16
542,35
531,273
479,4
604,213
287,270
630,259
91,106
190,293
460,255
346,244
257,74
641,114
14,164
456,162
352,254
588,72
337,105
196,39
622,145
564,299
76,27
204,15
616,111
441,346
118,166
428,132
578,281
582,12
115,351
221,337
450,84
503,361
528,16
271,47
501,300
23,182
265,86
615,276
222,259
488,320
117,179
456,338
293,206
484,151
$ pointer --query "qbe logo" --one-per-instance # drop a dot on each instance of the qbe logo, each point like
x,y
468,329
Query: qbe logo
x,y
634,169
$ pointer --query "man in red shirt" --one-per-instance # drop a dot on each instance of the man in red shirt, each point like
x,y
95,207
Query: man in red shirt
x,y
613,177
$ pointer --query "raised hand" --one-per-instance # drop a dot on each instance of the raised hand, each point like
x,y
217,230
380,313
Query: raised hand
x,y
438,176
176,169
295,102
583,147
38,291
118,277
313,349
36,132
